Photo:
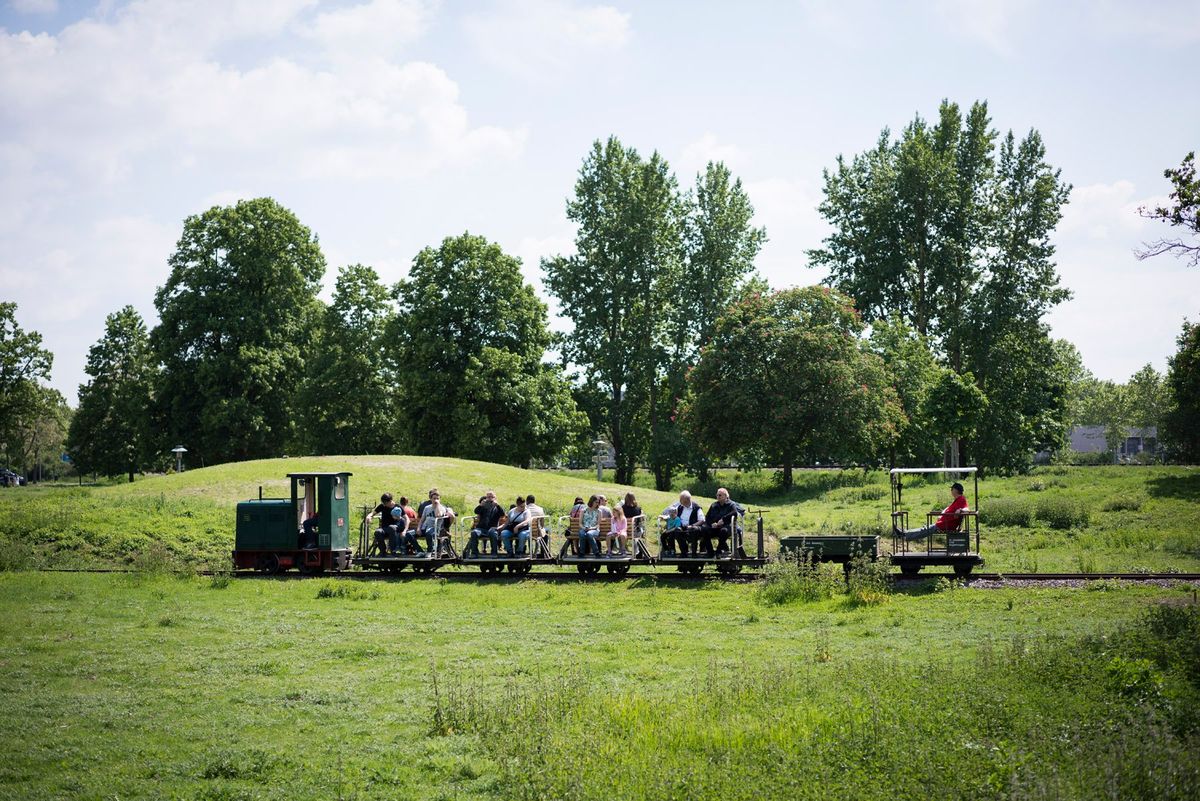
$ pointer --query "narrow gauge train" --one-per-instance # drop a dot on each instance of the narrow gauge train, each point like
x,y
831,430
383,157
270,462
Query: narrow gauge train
x,y
310,531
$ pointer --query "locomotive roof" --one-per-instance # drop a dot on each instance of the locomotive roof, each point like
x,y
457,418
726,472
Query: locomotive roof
x,y
896,470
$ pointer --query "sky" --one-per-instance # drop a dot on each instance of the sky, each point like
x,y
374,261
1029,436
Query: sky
x,y
389,125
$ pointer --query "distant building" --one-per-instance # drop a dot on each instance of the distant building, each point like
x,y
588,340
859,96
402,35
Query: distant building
x,y
1091,439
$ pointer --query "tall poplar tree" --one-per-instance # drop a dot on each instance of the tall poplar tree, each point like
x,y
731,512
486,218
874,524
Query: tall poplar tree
x,y
614,288
348,393
950,233
111,430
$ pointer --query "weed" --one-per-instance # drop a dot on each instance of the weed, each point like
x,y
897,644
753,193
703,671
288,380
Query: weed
x,y
1063,513
868,581
798,578
1085,563
1123,503
1007,512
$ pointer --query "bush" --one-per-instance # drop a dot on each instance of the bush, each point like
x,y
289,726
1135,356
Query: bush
x,y
1123,503
868,581
792,578
1062,513
1007,512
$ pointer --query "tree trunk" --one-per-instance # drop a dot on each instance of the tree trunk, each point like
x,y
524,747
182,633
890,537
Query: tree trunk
x,y
130,474
787,472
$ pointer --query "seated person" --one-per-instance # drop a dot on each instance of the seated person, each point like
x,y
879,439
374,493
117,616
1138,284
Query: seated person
x,y
673,527
516,525
632,510
950,520
691,518
719,522
575,513
310,531
589,528
487,519
433,521
534,512
618,531
392,524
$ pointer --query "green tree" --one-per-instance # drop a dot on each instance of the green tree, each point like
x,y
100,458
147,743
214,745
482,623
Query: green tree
x,y
1147,399
467,316
1183,211
720,245
23,363
788,375
348,394
627,262
955,408
913,371
110,432
1182,425
237,315
516,412
951,233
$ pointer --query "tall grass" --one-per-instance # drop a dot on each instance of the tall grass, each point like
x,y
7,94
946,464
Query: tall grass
x,y
1026,719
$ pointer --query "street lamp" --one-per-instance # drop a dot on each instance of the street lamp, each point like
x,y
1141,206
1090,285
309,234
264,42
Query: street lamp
x,y
179,451
601,454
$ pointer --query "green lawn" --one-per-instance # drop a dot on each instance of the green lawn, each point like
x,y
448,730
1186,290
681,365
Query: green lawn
x,y
1121,519
149,686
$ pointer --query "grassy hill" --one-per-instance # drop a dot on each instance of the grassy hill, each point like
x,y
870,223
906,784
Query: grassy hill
x,y
1056,518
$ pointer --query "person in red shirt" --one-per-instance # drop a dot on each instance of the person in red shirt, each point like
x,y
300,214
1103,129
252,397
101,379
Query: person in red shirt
x,y
950,520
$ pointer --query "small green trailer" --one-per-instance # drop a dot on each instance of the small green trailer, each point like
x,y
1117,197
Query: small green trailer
x,y
840,549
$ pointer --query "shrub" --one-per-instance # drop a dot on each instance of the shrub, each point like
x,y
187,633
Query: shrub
x,y
796,579
1007,512
1062,513
1123,503
868,581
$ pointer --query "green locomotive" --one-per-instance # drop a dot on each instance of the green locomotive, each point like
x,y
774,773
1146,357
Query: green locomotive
x,y
308,531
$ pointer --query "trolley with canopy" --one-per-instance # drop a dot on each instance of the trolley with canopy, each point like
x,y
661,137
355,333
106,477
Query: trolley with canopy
x,y
944,548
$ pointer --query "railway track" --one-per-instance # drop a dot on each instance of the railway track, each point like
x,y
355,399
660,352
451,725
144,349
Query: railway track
x,y
560,575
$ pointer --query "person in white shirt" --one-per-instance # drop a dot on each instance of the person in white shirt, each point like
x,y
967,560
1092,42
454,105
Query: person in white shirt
x,y
677,542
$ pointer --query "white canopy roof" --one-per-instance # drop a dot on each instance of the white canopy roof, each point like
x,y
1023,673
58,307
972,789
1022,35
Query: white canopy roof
x,y
896,470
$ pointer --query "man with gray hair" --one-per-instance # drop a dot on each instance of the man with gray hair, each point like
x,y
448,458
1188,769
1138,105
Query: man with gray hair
x,y
719,522
676,542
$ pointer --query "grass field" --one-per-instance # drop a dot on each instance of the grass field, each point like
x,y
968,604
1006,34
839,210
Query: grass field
x,y
152,686
1120,519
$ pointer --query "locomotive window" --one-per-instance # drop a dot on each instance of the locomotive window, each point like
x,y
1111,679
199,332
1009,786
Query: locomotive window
x,y
339,488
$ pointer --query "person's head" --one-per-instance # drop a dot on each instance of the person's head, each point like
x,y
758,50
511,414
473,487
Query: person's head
x,y
593,502
722,494
685,498
403,501
618,512
490,495
482,498
530,499
578,501
603,500
432,493
673,513
630,500
956,489
520,502
386,499
436,497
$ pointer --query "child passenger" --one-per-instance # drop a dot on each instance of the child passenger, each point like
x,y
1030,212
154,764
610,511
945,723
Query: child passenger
x,y
618,531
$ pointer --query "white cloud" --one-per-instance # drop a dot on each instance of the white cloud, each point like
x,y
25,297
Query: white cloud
x,y
34,6
539,38
696,156
378,28
191,104
1103,211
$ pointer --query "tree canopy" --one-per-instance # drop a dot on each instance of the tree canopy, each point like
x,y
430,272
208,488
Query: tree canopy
x,y
236,318
787,375
110,432
1182,211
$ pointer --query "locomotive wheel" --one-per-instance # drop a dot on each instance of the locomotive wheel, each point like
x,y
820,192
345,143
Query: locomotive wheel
x,y
618,570
268,564
962,571
729,570
519,568
583,569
